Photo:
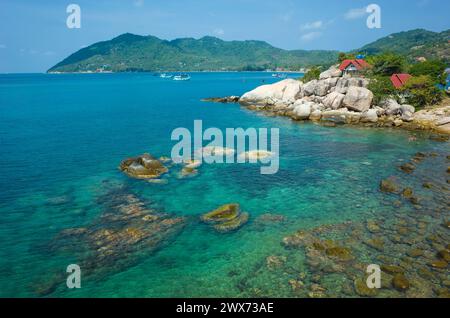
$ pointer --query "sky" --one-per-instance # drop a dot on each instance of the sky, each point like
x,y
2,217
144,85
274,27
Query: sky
x,y
34,35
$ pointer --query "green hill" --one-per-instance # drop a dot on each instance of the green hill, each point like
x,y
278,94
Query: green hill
x,y
413,44
129,52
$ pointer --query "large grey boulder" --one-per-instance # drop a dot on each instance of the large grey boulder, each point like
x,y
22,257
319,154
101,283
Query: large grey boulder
x,y
333,100
322,87
330,73
302,110
310,87
341,116
358,99
408,109
344,83
283,92
392,107
369,116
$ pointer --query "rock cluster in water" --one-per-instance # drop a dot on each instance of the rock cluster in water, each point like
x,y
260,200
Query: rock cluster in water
x,y
336,99
143,167
226,218
127,230
412,250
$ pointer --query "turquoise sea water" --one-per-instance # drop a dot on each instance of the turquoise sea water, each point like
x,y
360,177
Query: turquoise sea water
x,y
62,138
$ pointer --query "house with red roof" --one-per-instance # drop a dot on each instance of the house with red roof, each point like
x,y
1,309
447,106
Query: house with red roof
x,y
398,80
353,66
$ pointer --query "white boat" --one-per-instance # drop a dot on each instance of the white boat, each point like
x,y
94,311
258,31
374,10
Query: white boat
x,y
182,77
164,75
279,75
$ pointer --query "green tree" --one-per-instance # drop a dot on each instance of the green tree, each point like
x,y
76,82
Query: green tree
x,y
421,91
345,56
382,88
432,68
387,64
312,74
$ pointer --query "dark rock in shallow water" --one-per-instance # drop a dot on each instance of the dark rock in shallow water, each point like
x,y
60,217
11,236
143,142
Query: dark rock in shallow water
x,y
343,254
121,236
226,218
143,167
408,167
232,225
362,290
415,252
400,282
444,255
225,213
439,264
428,185
389,185
440,138
407,193
392,269
224,100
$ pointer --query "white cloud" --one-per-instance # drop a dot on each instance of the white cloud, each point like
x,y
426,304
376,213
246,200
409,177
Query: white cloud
x,y
219,32
311,36
312,25
357,13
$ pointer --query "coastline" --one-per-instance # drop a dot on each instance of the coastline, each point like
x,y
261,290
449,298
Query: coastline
x,y
337,99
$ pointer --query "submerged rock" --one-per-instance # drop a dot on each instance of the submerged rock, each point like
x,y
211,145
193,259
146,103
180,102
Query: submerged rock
x,y
188,172
340,253
225,213
143,167
226,218
408,167
440,138
389,185
400,282
439,264
407,193
392,269
232,225
120,237
274,262
362,290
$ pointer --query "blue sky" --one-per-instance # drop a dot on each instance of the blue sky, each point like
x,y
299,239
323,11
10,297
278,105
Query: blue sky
x,y
34,35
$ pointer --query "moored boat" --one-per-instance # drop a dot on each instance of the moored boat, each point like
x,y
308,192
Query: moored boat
x,y
182,77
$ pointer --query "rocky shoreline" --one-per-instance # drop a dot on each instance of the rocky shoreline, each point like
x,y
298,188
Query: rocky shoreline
x,y
337,99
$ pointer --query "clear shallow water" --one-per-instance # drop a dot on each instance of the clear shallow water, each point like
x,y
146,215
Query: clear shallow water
x,y
63,136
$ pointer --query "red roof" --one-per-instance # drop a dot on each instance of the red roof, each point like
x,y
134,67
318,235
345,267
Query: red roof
x,y
398,80
359,64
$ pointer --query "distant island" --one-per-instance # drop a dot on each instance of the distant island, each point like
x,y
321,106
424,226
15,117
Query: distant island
x,y
135,53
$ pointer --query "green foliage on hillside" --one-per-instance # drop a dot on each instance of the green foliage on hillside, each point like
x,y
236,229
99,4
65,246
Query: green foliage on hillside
x,y
382,88
312,74
386,64
421,91
433,68
413,44
130,52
